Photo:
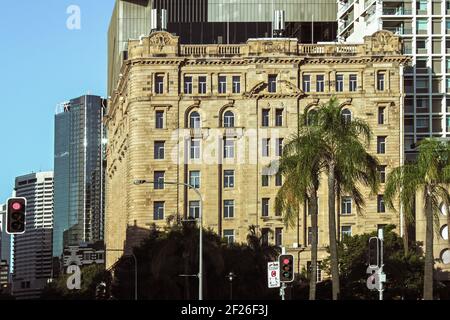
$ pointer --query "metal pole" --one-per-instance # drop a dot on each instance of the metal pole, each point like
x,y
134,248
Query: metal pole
x,y
282,291
380,270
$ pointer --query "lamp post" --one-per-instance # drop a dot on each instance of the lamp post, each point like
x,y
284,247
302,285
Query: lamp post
x,y
231,277
200,262
135,269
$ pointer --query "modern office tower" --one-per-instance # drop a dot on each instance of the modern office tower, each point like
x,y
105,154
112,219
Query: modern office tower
x,y
217,116
216,21
32,250
5,239
4,277
424,27
79,182
5,252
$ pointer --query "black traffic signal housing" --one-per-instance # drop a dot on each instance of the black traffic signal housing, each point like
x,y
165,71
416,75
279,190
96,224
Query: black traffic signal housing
x,y
286,268
374,252
15,215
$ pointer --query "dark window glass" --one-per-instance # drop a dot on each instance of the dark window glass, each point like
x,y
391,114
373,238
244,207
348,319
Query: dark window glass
x,y
202,85
265,207
279,117
380,204
222,84
187,85
159,116
265,117
158,180
236,84
159,150
158,210
159,84
272,83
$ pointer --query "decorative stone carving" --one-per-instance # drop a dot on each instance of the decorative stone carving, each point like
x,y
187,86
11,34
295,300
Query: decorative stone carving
x,y
382,42
289,88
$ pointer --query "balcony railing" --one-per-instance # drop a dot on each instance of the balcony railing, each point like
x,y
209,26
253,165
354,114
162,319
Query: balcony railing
x,y
398,30
397,11
217,50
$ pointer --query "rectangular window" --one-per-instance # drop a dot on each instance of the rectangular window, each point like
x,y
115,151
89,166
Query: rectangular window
x,y
265,207
278,179
380,204
202,85
222,84
353,84
346,231
236,84
320,83
339,83
381,145
265,236
159,84
380,81
194,209
159,150
228,209
279,149
272,83
194,179
279,117
229,236
265,180
159,119
228,179
158,178
319,271
187,85
265,117
381,116
422,26
158,210
382,173
265,147
346,205
228,148
278,237
195,149
306,83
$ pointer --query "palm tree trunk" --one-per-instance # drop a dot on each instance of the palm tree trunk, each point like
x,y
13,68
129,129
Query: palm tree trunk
x,y
313,276
429,258
332,231
405,234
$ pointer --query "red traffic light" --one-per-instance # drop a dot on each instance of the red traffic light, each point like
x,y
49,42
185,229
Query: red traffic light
x,y
287,267
15,217
16,205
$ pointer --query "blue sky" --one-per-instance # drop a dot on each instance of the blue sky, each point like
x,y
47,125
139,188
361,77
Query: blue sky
x,y
44,63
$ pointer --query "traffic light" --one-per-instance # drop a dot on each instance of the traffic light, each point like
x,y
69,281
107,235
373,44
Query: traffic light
x,y
15,216
374,252
286,268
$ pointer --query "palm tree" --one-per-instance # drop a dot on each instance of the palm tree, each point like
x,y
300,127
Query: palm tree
x,y
343,156
430,174
300,165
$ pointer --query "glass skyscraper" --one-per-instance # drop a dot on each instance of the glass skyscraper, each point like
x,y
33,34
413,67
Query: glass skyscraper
x,y
79,180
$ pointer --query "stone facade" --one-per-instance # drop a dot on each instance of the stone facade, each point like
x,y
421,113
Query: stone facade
x,y
182,95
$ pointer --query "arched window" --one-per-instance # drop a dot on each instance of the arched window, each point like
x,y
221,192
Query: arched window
x,y
194,120
311,117
228,119
347,115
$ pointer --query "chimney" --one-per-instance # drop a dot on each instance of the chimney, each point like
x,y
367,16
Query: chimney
x,y
278,23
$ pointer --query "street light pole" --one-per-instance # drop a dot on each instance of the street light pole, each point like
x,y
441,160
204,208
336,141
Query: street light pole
x,y
200,262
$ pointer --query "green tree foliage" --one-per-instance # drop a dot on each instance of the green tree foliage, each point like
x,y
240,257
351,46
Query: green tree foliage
x,y
164,256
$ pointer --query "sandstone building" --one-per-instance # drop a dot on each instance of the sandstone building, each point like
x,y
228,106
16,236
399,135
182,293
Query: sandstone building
x,y
216,116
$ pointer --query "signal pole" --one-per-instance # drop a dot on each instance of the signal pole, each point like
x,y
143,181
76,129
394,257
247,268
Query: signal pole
x,y
381,275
